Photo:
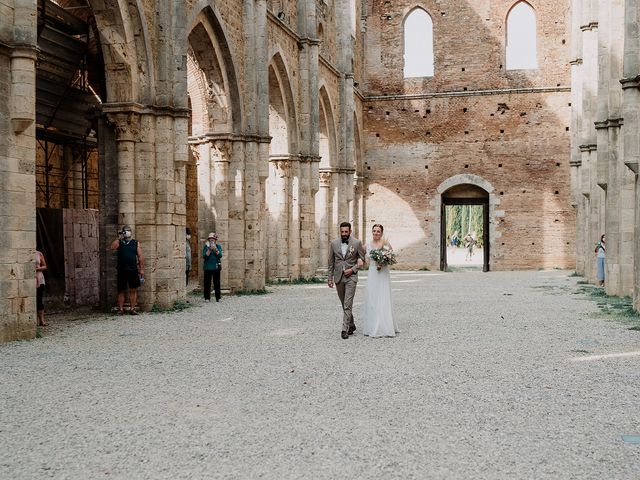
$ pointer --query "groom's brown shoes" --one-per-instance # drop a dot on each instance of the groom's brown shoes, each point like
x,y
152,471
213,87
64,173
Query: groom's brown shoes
x,y
344,335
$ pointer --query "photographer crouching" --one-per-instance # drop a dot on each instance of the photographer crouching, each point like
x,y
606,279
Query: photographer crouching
x,y
130,268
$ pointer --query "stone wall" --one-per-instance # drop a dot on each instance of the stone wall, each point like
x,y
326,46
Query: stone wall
x,y
510,129
17,170
605,143
82,262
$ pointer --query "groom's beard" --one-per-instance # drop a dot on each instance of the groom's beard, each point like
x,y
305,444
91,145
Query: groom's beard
x,y
345,238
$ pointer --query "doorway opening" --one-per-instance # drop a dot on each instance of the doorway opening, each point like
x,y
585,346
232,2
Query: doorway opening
x,y
464,226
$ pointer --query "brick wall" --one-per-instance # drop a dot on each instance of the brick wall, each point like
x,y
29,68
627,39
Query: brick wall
x,y
509,128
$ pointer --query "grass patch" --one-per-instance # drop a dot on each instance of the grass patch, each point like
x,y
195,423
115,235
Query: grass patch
x,y
298,281
38,333
575,274
178,306
195,293
580,351
258,291
424,269
619,309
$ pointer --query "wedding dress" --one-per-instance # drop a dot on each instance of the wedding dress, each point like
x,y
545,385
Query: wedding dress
x,y
378,304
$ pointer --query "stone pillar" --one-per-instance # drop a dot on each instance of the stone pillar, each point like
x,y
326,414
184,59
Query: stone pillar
x,y
17,173
151,173
309,131
323,219
127,129
592,197
309,185
278,194
295,211
576,124
220,159
235,260
631,114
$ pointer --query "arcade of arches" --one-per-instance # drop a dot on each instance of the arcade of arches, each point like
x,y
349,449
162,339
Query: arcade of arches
x,y
270,122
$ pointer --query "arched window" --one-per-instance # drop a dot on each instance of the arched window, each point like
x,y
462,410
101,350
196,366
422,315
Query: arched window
x,y
418,44
353,17
521,38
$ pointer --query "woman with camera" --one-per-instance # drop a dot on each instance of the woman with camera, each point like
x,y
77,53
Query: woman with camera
x,y
212,255
130,268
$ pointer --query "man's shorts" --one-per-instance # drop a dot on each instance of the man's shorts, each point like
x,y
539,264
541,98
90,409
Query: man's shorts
x,y
128,279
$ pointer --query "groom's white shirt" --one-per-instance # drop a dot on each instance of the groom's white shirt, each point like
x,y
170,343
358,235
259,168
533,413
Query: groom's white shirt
x,y
343,248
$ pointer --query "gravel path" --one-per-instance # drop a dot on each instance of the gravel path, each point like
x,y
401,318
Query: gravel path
x,y
491,377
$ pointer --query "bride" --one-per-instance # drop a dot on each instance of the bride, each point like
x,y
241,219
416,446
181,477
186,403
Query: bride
x,y
378,304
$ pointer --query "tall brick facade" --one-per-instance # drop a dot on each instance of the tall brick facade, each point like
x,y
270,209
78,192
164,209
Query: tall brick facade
x,y
472,122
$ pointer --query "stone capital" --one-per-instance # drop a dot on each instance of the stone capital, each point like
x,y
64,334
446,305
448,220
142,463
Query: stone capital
x,y
126,125
325,179
221,150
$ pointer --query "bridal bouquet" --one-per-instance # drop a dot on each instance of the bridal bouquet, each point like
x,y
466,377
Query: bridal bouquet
x,y
383,256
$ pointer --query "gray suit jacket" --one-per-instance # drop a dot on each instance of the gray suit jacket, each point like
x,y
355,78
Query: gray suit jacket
x,y
338,264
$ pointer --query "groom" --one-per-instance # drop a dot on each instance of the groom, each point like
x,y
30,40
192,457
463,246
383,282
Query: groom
x,y
346,255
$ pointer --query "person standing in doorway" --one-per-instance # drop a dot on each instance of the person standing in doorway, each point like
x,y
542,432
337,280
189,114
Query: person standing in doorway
x,y
600,256
187,254
212,255
470,241
41,266
130,268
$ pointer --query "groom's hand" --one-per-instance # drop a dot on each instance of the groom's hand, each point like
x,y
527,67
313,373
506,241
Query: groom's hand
x,y
348,272
330,283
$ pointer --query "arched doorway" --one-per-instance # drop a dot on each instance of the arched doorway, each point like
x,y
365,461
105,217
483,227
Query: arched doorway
x,y
471,202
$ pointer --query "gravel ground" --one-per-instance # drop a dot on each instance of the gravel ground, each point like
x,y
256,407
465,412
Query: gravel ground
x,y
491,377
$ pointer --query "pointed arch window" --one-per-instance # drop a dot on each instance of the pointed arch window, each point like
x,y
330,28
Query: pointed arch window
x,y
418,44
521,38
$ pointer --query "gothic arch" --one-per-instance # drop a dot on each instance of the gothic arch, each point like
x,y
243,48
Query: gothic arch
x,y
328,147
124,38
279,78
522,57
416,49
212,55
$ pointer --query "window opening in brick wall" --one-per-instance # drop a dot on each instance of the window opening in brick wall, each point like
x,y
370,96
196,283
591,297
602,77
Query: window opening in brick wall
x,y
418,45
521,38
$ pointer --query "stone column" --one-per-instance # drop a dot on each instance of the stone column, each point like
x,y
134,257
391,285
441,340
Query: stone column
x,y
17,173
127,130
309,185
309,126
323,219
220,159
295,211
235,258
631,114
592,197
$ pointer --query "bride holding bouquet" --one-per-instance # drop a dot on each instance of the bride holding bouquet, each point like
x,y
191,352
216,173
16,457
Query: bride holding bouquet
x,y
378,304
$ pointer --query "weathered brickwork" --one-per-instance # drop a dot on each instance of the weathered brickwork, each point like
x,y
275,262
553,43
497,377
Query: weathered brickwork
x,y
471,120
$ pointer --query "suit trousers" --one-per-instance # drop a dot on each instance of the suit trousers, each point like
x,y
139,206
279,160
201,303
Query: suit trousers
x,y
346,291
208,274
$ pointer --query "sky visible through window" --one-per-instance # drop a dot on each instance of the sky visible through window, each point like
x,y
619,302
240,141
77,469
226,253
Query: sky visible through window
x,y
521,38
418,45
521,41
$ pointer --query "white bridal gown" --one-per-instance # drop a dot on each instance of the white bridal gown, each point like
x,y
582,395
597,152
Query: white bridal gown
x,y
378,304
